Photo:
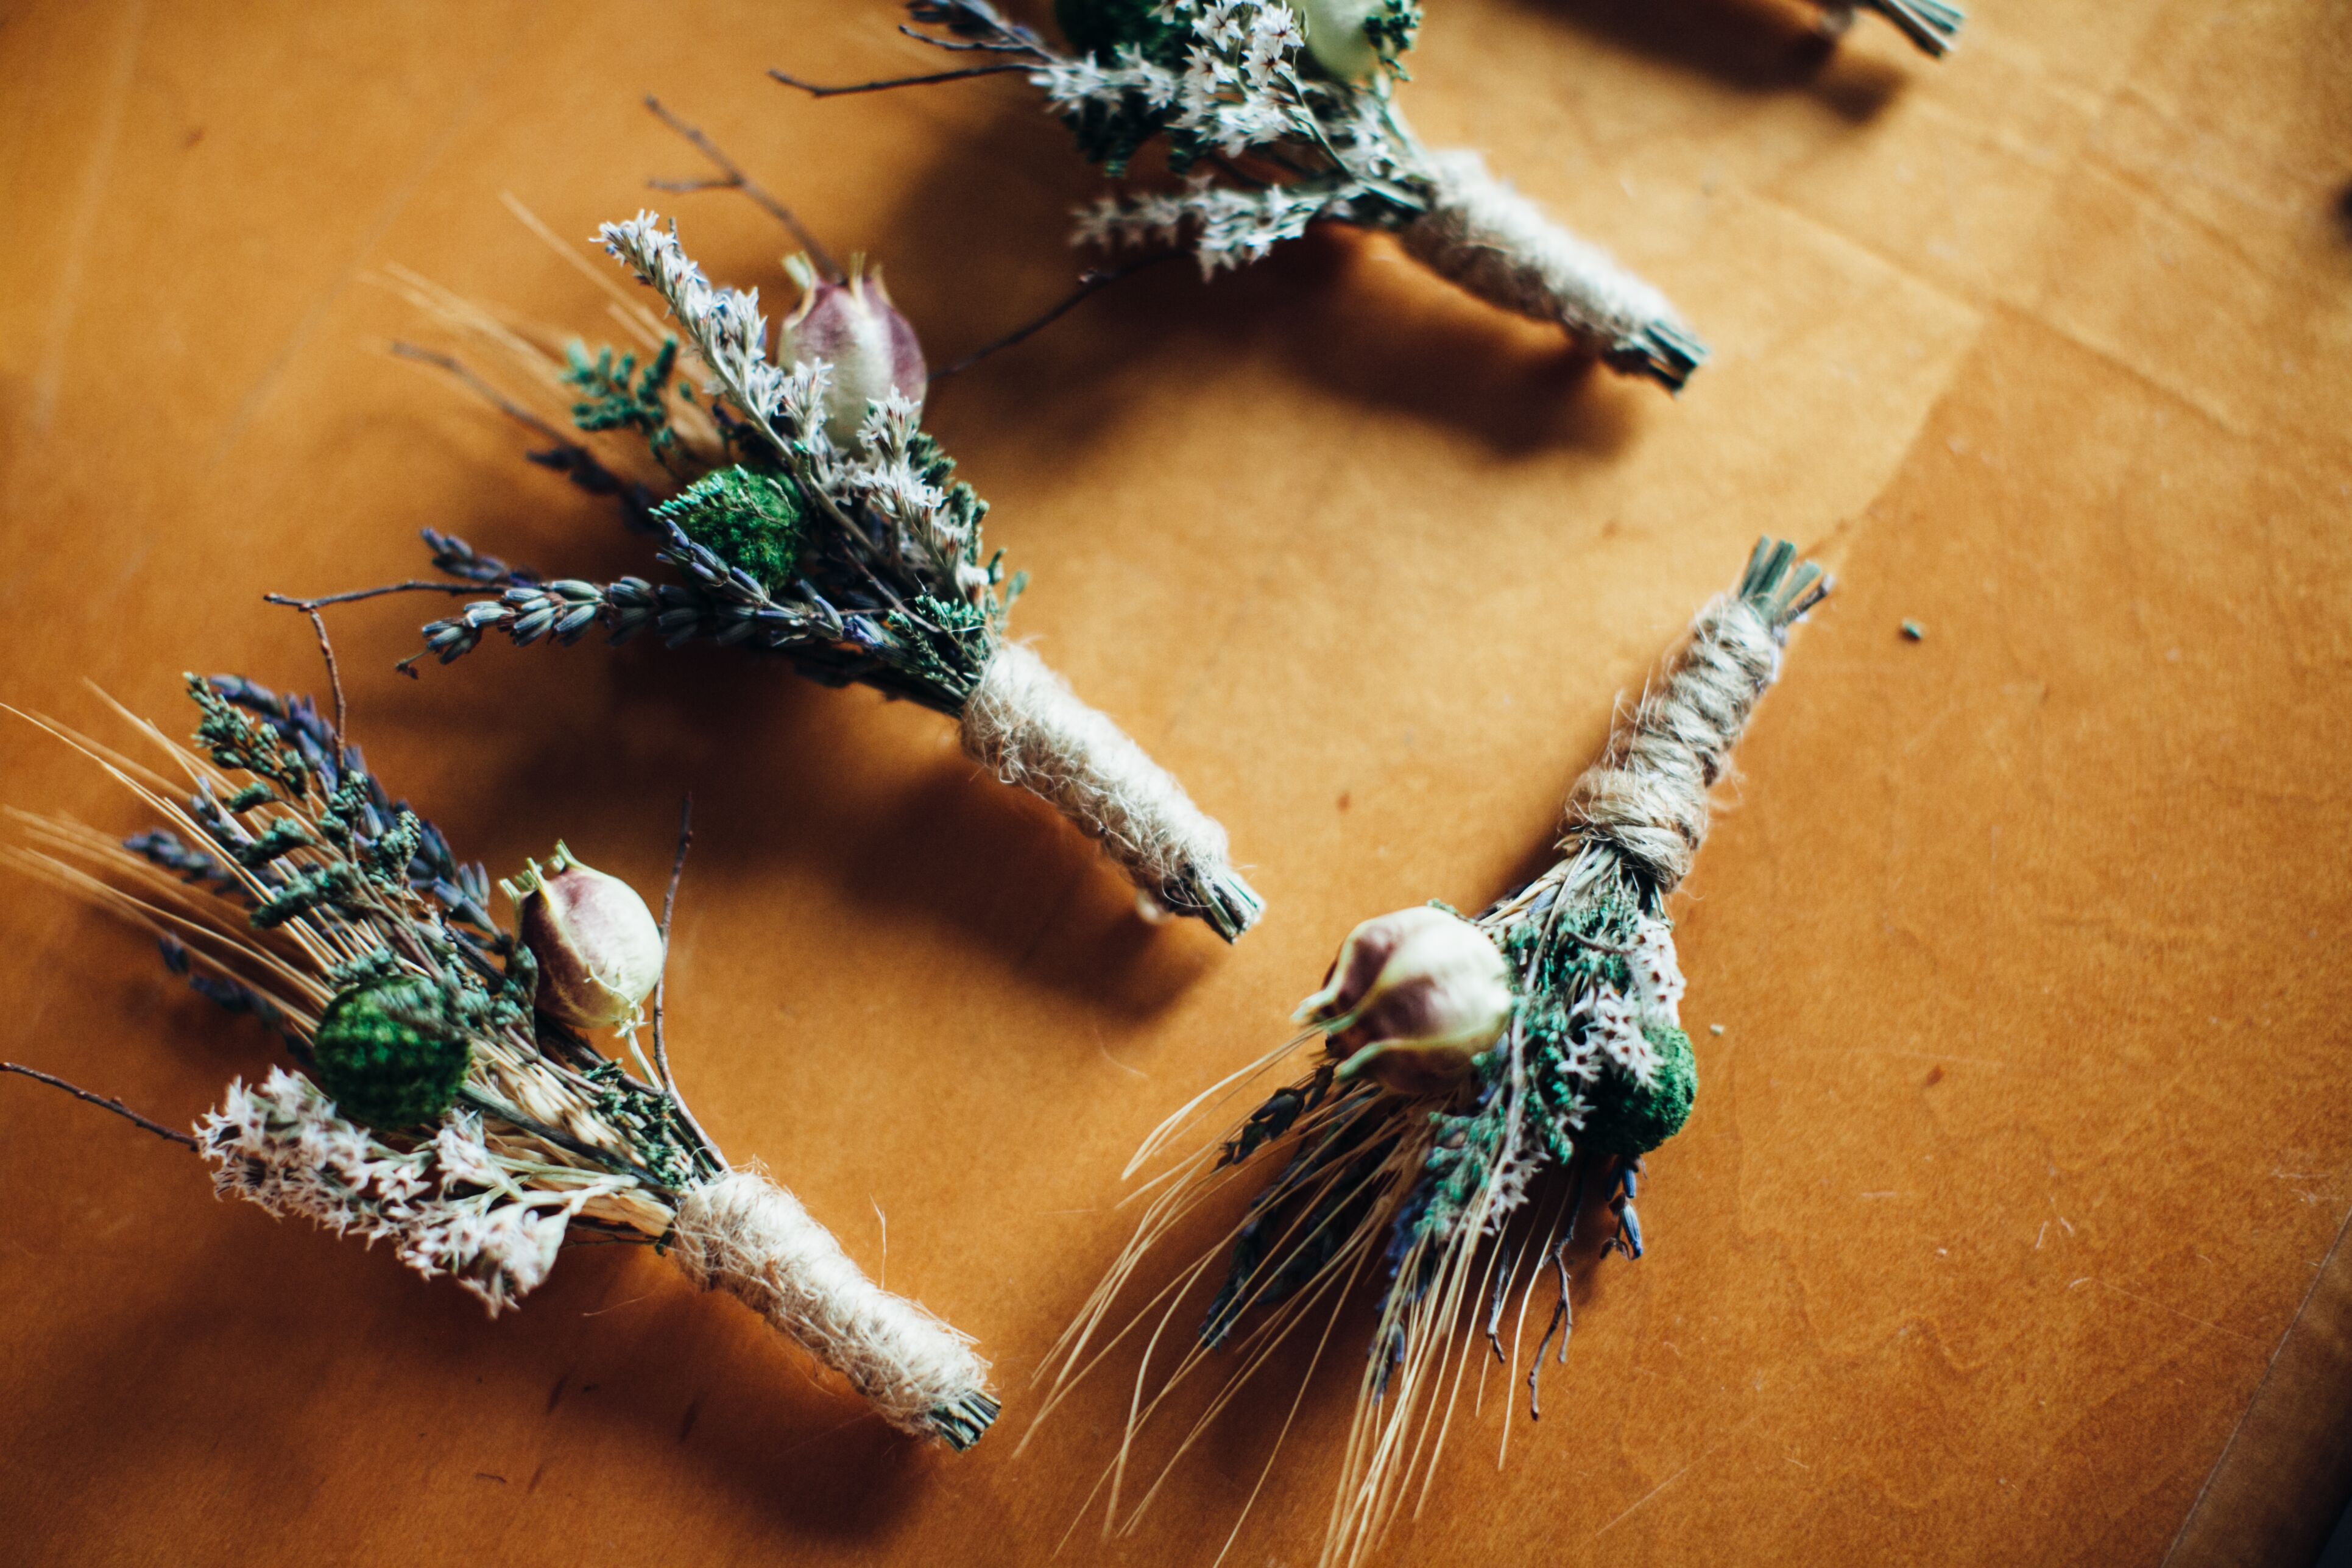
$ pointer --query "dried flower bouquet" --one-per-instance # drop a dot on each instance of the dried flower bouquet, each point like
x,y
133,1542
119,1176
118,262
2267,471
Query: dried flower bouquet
x,y
1466,1066
809,515
1278,116
445,1097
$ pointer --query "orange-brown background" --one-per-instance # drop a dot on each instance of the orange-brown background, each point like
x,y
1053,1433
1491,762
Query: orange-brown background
x,y
2025,1141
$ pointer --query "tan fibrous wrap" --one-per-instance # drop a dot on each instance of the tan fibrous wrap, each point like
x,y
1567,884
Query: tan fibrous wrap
x,y
1647,799
1501,247
1026,726
741,1233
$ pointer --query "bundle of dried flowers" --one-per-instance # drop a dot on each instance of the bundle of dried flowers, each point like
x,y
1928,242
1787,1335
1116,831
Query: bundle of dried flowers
x,y
809,515
445,1097
1467,1065
1278,116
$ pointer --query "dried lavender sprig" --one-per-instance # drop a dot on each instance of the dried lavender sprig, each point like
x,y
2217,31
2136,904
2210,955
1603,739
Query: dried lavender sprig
x,y
715,601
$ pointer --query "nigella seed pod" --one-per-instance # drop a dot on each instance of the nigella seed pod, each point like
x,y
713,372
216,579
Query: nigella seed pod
x,y
1412,999
1345,36
852,327
599,949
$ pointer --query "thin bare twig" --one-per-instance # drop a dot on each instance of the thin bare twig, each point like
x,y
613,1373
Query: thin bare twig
x,y
948,46
413,585
661,986
102,1102
818,90
669,907
334,674
1089,284
734,179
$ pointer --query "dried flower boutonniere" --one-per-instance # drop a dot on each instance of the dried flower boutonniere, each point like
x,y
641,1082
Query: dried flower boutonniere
x,y
806,513
1278,116
445,1096
1472,1072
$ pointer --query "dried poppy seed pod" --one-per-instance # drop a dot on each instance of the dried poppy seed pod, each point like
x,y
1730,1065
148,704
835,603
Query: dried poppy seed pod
x,y
1412,999
852,327
598,947
1339,35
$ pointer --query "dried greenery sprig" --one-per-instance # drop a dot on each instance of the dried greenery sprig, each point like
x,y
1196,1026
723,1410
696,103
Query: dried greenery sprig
x,y
1931,24
1472,1071
808,514
443,1099
1279,116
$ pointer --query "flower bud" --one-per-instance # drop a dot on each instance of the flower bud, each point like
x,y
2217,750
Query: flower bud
x,y
598,948
1412,999
852,327
1349,39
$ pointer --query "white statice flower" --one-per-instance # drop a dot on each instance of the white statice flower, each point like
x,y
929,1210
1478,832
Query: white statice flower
x,y
517,1249
463,1156
1240,88
282,1145
1072,85
1241,226
1656,977
1227,229
1610,1025
886,479
802,408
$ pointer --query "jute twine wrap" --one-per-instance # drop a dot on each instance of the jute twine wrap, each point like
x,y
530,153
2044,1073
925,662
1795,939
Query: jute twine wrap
x,y
1647,799
1498,244
742,1234
1026,726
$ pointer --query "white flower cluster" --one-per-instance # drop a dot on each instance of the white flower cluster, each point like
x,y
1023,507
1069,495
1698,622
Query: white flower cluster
x,y
284,1147
1610,1025
1239,87
723,325
1614,1022
1657,977
1072,84
1227,228
885,477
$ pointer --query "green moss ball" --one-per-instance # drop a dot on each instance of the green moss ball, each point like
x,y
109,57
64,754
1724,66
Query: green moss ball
x,y
379,1065
748,521
1099,27
1631,1122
